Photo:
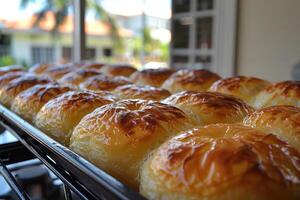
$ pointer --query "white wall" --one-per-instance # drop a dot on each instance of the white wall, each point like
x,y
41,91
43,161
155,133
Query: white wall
x,y
268,38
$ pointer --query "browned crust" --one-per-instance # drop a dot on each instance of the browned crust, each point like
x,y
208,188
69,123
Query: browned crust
x,y
6,78
285,88
12,68
118,70
56,72
78,76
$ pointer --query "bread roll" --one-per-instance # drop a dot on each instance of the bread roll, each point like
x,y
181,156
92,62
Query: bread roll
x,y
74,78
243,87
14,87
57,72
59,116
283,121
11,68
210,107
6,78
28,103
141,92
102,83
153,77
117,137
41,68
118,70
228,162
282,93
190,80
93,65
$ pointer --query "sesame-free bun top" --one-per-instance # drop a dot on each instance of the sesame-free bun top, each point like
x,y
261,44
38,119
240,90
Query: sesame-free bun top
x,y
6,78
11,68
243,87
40,68
190,80
92,65
74,78
58,117
153,77
118,70
15,86
227,162
56,72
103,83
210,107
281,93
141,92
28,103
283,121
117,137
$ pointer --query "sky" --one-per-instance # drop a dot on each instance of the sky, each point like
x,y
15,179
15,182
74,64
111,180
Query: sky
x,y
161,8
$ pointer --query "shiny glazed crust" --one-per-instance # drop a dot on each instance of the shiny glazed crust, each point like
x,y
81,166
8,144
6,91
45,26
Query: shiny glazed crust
x,y
190,80
283,121
6,78
28,103
59,116
152,77
74,78
57,72
141,92
222,162
40,68
118,70
15,86
243,87
12,68
210,107
103,83
117,137
282,93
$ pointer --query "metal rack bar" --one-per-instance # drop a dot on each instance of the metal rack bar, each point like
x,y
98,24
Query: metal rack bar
x,y
67,191
82,177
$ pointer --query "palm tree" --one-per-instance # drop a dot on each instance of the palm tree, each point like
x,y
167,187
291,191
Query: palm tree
x,y
60,9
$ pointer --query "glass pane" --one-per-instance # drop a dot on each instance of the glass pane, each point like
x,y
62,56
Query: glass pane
x,y
180,6
205,5
179,61
180,33
204,33
203,62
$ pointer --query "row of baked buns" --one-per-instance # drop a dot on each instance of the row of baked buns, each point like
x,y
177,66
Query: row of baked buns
x,y
185,134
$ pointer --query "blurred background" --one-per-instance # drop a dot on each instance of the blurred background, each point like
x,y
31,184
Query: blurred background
x,y
230,37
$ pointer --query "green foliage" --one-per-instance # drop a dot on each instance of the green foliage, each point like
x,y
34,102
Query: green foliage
x,y
7,60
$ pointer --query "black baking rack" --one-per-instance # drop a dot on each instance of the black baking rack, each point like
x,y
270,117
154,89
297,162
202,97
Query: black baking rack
x,y
76,173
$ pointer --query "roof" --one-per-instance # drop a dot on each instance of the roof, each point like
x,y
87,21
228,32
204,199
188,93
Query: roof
x,y
92,27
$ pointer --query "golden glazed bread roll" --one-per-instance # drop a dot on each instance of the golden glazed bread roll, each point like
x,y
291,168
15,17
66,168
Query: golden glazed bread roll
x,y
210,107
141,92
11,68
283,121
103,82
118,70
59,71
282,93
74,78
117,137
153,77
40,68
190,80
59,116
6,78
93,65
227,162
243,87
15,86
28,103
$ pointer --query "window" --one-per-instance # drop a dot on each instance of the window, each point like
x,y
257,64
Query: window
x,y
107,52
67,53
180,6
90,53
42,54
181,27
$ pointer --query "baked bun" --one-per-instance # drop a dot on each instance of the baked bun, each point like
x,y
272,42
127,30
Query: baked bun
x,y
40,68
243,87
190,80
141,92
210,107
283,121
282,93
153,77
28,103
15,86
59,116
103,82
74,78
6,78
11,68
93,65
118,70
227,162
117,137
57,72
